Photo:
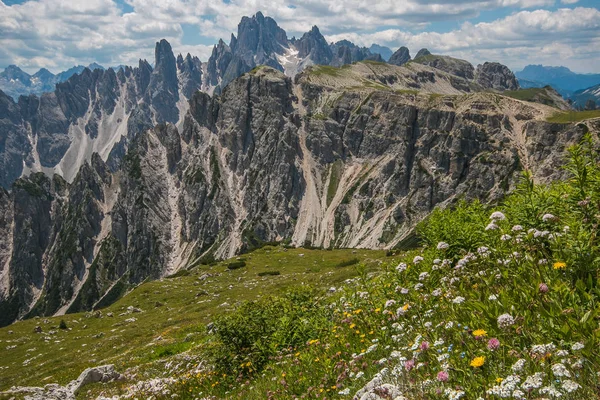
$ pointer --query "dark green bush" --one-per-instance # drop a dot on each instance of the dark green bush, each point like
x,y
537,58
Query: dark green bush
x,y
236,265
247,338
269,273
347,263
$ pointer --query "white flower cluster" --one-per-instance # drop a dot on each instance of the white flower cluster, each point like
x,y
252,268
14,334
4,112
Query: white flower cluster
x,y
454,394
497,216
533,381
505,321
560,370
518,366
570,386
543,349
506,387
550,391
577,346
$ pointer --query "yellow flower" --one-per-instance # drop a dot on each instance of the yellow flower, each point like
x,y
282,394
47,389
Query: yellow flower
x,y
478,362
499,380
377,309
352,326
560,265
357,311
479,333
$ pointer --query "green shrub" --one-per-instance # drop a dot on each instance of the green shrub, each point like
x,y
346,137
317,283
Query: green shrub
x,y
246,339
63,324
236,265
269,273
347,263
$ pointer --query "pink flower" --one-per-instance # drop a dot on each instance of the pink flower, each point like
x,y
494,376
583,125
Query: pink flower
x,y
424,346
493,344
409,364
442,376
543,288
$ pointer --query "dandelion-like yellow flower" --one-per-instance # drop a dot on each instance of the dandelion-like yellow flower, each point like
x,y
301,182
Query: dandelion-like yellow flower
x,y
479,333
560,265
499,380
352,326
478,362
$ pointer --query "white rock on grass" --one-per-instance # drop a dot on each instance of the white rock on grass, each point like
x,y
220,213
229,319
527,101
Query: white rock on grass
x,y
105,373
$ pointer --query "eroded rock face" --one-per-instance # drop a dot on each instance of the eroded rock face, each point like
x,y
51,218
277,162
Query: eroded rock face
x,y
496,76
451,65
400,57
315,161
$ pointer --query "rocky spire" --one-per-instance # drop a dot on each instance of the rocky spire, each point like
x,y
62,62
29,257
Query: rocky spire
x,y
162,90
313,45
400,57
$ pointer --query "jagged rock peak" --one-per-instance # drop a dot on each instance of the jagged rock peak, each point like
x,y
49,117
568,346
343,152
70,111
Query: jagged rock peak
x,y
313,44
493,75
260,35
162,90
422,53
400,57
163,55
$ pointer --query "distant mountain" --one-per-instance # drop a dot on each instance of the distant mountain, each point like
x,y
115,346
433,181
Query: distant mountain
x,y
383,51
15,82
562,79
581,98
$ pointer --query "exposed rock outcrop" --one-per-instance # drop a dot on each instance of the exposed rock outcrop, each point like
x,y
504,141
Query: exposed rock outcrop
x,y
493,75
105,373
350,157
400,57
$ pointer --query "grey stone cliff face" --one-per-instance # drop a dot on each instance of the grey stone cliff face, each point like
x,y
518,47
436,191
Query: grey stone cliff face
x,y
317,160
496,76
400,57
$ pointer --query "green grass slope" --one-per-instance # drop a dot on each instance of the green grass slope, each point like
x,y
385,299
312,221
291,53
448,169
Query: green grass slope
x,y
172,309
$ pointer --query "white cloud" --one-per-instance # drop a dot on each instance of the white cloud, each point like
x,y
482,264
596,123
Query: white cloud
x,y
570,37
60,33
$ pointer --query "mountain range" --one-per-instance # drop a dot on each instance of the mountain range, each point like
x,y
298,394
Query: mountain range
x,y
121,176
15,82
565,81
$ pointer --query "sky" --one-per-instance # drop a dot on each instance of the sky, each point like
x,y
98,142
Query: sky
x,y
57,34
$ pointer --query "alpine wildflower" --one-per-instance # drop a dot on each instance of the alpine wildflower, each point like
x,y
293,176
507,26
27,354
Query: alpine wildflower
x,y
497,216
560,265
442,376
548,217
479,333
442,246
477,362
493,344
505,321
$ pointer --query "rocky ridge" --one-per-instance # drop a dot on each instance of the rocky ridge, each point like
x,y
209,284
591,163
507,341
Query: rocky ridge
x,y
337,157
101,111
